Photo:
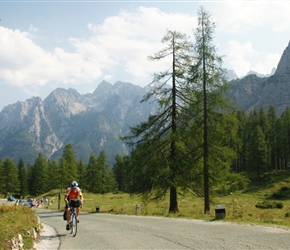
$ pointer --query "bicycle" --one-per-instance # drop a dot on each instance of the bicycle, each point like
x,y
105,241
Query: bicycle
x,y
73,222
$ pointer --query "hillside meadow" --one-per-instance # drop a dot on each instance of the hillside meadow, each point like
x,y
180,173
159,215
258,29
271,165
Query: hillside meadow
x,y
266,201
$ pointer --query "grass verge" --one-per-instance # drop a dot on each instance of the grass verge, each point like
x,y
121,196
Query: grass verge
x,y
16,220
244,206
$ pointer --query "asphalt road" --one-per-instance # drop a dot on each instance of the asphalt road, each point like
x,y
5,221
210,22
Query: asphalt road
x,y
105,231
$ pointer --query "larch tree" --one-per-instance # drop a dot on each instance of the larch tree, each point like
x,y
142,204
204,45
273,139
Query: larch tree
x,y
213,114
156,155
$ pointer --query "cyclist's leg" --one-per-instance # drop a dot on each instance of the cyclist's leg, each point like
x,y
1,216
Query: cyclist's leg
x,y
67,214
67,209
77,213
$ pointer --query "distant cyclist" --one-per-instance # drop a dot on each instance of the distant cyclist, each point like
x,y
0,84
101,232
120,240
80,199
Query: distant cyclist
x,y
71,199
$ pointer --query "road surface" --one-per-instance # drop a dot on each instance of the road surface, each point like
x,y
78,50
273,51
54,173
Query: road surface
x,y
106,231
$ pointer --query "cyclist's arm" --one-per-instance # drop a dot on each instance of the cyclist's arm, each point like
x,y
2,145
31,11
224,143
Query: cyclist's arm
x,y
66,198
81,198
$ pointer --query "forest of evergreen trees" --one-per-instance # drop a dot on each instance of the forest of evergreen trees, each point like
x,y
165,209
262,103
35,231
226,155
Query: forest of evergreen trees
x,y
32,180
262,145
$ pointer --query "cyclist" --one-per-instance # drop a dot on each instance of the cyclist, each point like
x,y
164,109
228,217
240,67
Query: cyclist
x,y
71,198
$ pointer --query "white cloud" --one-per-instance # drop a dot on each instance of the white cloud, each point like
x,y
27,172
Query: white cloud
x,y
117,48
126,41
23,63
240,17
265,66
240,56
120,43
244,57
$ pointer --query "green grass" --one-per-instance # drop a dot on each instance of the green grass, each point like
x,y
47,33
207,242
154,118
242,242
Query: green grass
x,y
273,188
16,220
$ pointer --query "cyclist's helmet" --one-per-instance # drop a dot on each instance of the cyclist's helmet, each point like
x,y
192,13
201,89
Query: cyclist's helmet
x,y
74,184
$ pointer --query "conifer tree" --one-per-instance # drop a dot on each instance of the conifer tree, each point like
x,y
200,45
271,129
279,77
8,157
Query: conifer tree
x,y
39,178
9,177
94,175
108,182
239,164
82,172
257,151
120,166
157,139
284,138
212,110
272,136
71,161
53,175
23,179
68,166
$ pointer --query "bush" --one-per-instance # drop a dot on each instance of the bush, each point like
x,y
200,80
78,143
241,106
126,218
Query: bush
x,y
269,205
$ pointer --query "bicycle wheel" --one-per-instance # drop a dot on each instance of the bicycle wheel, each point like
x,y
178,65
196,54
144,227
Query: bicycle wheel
x,y
74,224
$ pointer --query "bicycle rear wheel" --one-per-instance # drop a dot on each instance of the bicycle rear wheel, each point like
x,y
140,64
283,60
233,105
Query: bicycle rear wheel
x,y
74,224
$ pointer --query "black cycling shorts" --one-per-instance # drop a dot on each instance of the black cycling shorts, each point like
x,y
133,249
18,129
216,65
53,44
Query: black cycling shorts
x,y
75,203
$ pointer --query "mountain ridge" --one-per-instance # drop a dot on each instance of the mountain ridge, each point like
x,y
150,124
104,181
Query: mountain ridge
x,y
94,121
253,92
65,116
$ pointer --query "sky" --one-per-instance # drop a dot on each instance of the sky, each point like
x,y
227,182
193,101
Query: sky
x,y
49,44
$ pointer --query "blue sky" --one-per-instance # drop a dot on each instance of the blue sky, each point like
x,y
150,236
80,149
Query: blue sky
x,y
77,44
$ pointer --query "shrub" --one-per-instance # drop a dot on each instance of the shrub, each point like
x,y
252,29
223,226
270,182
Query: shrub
x,y
269,205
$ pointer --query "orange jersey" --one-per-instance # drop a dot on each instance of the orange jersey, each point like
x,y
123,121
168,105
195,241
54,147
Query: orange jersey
x,y
73,194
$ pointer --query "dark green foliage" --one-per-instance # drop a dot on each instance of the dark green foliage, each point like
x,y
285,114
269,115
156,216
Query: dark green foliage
x,y
94,175
100,178
53,175
233,182
69,163
120,169
9,181
23,181
270,205
283,193
38,178
82,173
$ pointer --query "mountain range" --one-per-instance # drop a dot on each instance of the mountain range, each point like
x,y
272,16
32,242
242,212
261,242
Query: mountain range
x,y
90,122
95,121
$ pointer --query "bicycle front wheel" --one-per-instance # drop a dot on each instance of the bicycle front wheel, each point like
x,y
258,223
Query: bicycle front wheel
x,y
74,225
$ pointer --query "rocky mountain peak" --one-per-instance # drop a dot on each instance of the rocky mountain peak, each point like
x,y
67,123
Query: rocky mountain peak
x,y
70,101
284,63
102,88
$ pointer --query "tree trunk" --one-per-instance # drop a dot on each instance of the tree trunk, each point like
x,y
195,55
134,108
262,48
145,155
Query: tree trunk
x,y
173,206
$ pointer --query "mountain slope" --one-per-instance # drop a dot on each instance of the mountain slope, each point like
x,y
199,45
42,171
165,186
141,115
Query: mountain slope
x,y
91,122
253,92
